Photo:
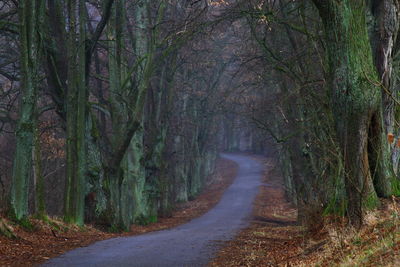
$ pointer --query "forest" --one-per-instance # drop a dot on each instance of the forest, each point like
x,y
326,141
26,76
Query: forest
x,y
113,112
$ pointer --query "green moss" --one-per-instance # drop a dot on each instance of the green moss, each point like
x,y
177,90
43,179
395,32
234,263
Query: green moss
x,y
26,224
6,231
57,227
115,228
371,202
94,130
146,220
395,186
23,222
337,203
41,216
335,206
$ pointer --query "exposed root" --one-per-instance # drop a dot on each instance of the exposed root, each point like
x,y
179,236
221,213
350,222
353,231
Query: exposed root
x,y
6,230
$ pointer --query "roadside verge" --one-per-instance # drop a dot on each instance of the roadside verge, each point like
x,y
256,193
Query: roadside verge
x,y
40,241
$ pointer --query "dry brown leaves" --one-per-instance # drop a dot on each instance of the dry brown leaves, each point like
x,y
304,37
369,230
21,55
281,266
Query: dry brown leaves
x,y
274,239
377,243
44,242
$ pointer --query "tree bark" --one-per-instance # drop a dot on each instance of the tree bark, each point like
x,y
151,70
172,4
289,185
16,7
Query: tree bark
x,y
76,115
356,102
29,16
386,15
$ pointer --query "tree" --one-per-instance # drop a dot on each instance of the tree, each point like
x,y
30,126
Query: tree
x,y
30,19
356,103
115,118
76,114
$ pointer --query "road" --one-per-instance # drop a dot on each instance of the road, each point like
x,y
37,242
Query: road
x,y
191,244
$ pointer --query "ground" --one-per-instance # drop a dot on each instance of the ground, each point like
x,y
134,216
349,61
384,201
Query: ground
x,y
48,240
275,239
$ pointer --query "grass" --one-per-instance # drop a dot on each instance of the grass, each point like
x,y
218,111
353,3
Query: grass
x,y
376,244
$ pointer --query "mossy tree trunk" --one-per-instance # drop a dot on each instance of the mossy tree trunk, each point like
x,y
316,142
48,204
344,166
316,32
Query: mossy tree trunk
x,y
68,54
118,106
56,56
159,105
40,208
76,114
356,103
126,169
30,12
385,15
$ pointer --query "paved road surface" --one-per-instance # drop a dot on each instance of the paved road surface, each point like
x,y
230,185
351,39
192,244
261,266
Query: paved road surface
x,y
191,244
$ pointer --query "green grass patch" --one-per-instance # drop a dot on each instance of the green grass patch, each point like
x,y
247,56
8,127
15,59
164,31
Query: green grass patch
x,y
146,220
26,224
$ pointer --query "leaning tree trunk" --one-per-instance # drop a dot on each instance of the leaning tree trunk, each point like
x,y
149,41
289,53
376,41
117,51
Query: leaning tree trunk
x,y
29,16
356,102
386,14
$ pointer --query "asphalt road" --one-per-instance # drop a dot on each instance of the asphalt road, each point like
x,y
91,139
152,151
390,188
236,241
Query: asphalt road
x,y
191,244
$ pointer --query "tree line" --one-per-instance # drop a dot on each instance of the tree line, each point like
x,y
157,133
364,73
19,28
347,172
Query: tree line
x,y
106,113
325,90
122,106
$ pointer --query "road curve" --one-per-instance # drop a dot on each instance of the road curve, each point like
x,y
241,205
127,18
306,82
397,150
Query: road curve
x,y
191,244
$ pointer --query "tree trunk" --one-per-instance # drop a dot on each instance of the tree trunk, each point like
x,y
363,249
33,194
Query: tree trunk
x,y
386,15
356,102
29,16
40,208
76,115
129,200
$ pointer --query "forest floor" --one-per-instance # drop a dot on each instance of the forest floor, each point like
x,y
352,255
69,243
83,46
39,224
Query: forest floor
x,y
275,239
40,241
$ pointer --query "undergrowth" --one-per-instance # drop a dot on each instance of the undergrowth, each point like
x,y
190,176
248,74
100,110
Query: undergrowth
x,y
377,243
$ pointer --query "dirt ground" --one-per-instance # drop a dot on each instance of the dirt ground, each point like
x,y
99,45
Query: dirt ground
x,y
47,240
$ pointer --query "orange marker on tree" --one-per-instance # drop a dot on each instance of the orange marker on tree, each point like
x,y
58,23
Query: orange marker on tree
x,y
390,138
